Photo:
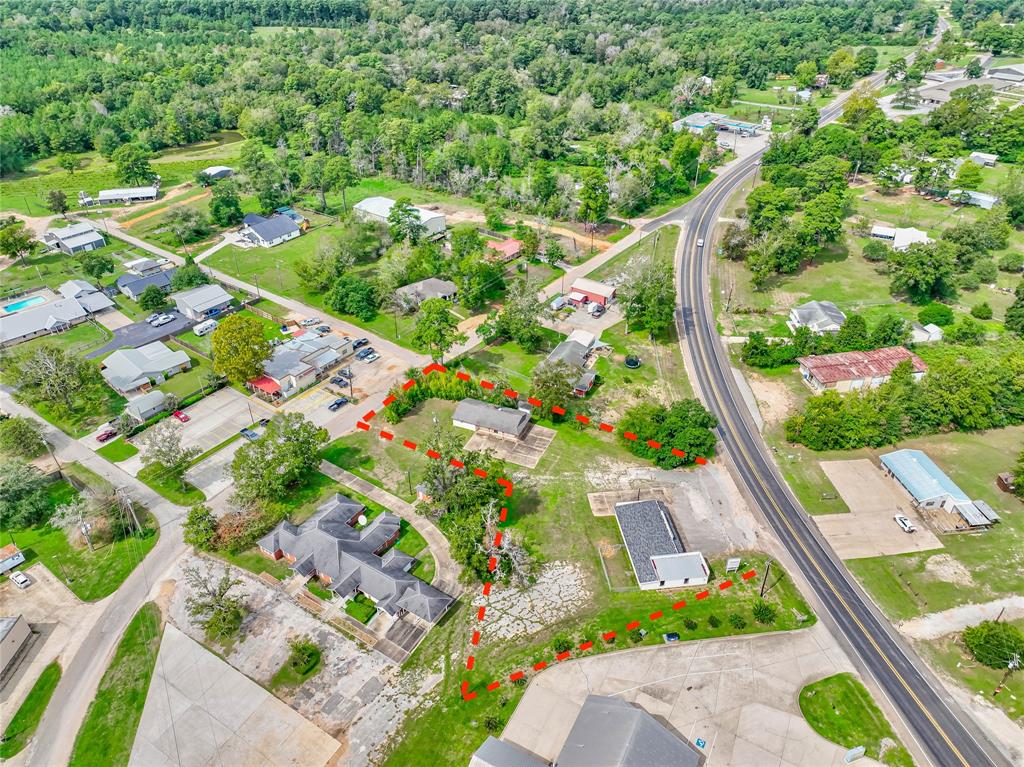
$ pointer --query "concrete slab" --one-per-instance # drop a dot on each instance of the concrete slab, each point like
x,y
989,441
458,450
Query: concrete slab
x,y
602,503
525,452
112,319
869,529
200,711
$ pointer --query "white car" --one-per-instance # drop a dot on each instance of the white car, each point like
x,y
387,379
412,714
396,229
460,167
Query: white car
x,y
21,580
700,242
310,322
163,261
905,524
371,358
163,319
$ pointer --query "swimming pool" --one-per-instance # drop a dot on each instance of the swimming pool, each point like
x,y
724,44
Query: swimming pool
x,y
24,304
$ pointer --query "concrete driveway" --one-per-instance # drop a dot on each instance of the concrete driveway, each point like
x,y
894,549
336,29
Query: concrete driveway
x,y
141,333
738,696
581,319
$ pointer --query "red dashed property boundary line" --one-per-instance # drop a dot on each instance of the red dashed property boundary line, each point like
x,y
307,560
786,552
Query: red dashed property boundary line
x,y
507,486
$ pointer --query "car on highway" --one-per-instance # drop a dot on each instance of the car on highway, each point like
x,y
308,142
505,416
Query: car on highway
x,y
905,524
21,580
249,434
183,417
359,343
310,322
700,242
337,404
163,319
106,436
371,358
323,329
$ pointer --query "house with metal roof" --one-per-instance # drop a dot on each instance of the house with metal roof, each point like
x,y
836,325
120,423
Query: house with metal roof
x,y
88,295
608,732
585,290
53,317
298,363
659,559
377,210
984,159
142,266
138,370
982,200
75,238
932,488
129,194
268,232
132,285
900,238
148,405
476,415
818,316
431,287
202,302
351,556
851,371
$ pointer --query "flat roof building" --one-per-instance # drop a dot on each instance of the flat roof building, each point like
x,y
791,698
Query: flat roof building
x,y
298,363
655,549
698,121
932,488
850,371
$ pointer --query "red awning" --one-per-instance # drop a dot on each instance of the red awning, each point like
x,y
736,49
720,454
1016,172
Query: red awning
x,y
265,384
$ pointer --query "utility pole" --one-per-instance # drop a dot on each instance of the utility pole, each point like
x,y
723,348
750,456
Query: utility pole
x,y
764,581
124,503
61,564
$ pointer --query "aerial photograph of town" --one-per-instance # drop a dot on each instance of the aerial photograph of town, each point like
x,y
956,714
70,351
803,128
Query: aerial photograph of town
x,y
511,383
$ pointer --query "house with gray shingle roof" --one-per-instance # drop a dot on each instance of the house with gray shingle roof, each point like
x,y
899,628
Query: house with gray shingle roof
x,y
350,559
132,285
476,415
52,317
819,316
268,232
659,559
91,298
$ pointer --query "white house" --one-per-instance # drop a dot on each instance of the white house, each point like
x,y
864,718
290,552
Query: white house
x,y
268,232
925,334
133,370
984,159
378,209
202,302
820,316
901,238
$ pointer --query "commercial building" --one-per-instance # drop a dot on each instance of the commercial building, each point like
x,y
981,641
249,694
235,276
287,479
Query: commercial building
x,y
931,487
608,732
15,634
432,287
298,363
377,210
351,555
476,415
137,370
202,302
698,121
818,316
268,232
585,290
900,238
75,238
655,549
850,371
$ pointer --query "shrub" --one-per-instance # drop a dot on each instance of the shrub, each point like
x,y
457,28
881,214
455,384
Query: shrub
x,y
935,314
562,644
493,723
635,636
969,281
982,311
764,613
1012,261
994,644
305,655
691,624
986,271
737,621
714,621
876,251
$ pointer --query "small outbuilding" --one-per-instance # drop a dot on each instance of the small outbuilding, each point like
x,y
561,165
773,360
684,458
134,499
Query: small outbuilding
x,y
925,334
1005,481
585,290
479,416
984,159
217,172
15,634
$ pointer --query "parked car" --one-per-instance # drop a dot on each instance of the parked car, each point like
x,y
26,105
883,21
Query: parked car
x,y
670,637
337,404
364,353
596,310
163,319
371,358
339,381
152,317
346,373
21,580
106,436
249,434
310,322
905,524
323,329
360,343
183,417
264,421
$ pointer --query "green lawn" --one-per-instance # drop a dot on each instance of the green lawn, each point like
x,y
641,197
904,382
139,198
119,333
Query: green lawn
x,y
256,563
23,724
361,608
661,244
271,331
190,381
118,450
53,269
26,192
108,732
289,678
841,710
507,362
181,492
80,339
90,575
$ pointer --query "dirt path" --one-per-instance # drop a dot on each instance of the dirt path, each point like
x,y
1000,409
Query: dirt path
x,y
935,625
149,214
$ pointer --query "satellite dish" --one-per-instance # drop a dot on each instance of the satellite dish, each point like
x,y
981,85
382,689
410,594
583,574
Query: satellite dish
x,y
362,519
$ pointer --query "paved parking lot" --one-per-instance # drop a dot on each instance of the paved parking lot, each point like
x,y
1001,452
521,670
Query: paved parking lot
x,y
869,529
219,416
141,333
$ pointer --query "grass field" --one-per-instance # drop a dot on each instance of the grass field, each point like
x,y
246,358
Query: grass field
x,y
26,192
253,561
91,575
841,710
180,492
661,244
191,380
271,331
507,361
23,724
108,732
46,269
118,450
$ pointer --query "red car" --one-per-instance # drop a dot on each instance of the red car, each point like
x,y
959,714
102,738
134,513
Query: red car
x,y
183,417
106,436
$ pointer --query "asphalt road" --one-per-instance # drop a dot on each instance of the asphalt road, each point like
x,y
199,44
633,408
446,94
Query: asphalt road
x,y
945,732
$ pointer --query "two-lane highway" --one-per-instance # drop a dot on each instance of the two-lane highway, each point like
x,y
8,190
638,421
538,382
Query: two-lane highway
x,y
948,735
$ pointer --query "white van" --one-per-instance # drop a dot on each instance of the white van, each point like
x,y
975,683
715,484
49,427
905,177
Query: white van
x,y
205,327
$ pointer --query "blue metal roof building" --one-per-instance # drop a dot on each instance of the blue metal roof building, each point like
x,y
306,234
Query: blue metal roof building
x,y
922,478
